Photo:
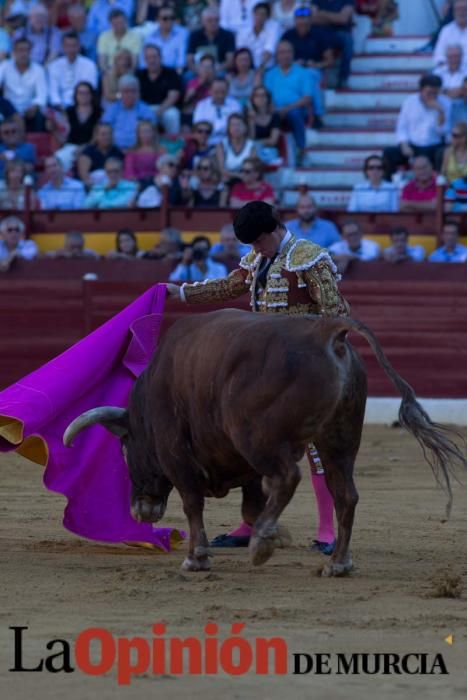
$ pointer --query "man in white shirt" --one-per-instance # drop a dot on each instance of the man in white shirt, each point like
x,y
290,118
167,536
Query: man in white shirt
x,y
67,71
422,125
262,37
24,85
451,73
216,110
353,247
453,33
236,14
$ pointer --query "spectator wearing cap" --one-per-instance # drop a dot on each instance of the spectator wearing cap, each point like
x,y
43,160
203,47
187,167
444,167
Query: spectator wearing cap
x,y
310,226
116,192
262,37
13,244
307,41
67,71
212,40
161,88
451,251
46,40
87,37
423,122
98,16
124,114
216,109
24,85
60,191
118,37
171,38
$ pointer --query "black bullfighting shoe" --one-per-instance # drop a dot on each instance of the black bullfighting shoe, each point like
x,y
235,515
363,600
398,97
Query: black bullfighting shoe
x,y
230,541
323,547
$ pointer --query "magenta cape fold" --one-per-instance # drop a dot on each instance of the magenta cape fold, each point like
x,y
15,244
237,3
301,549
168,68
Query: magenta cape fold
x,y
99,370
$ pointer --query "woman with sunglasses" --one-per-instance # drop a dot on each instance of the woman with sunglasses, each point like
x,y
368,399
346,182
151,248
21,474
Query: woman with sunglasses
x,y
197,146
252,187
376,194
209,190
455,156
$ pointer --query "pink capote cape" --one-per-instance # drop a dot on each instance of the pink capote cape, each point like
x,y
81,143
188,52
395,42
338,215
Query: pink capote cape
x,y
99,370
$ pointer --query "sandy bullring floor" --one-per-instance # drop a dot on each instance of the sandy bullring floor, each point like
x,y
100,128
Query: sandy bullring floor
x,y
58,585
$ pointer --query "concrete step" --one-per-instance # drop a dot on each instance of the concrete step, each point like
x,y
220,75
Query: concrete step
x,y
352,158
349,138
327,178
421,62
325,199
362,120
394,44
384,81
357,101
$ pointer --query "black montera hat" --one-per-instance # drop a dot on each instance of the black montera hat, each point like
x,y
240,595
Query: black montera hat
x,y
254,219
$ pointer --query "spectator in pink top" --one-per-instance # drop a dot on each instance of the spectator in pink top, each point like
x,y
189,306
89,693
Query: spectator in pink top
x,y
141,161
252,186
420,193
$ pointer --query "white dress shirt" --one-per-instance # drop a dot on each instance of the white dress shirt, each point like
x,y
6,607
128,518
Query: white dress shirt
x,y
365,197
26,89
368,250
236,14
258,44
450,35
64,77
217,115
419,125
451,81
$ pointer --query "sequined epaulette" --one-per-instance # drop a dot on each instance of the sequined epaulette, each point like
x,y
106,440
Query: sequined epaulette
x,y
303,255
250,261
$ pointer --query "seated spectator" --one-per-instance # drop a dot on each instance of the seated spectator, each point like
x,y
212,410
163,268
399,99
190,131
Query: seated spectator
x,y
208,191
13,190
161,88
400,250
236,15
353,247
234,148
169,248
98,16
459,106
148,10
310,226
216,109
334,18
116,193
451,251
141,161
68,71
170,38
124,114
197,145
82,118
453,33
118,37
12,146
261,37
24,85
229,250
76,16
13,244
455,156
243,77
60,191
264,126
456,195
376,194
211,40
7,111
92,158
284,12
126,246
179,192
422,124
45,40
420,193
307,41
122,65
189,13
291,87
252,187
196,265
452,73
199,87
73,247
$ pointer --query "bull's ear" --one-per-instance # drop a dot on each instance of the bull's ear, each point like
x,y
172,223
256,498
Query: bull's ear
x,y
112,418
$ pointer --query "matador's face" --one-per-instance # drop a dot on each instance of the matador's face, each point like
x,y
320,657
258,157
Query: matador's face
x,y
268,243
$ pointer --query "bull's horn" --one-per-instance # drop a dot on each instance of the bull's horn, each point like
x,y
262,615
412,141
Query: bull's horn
x,y
111,417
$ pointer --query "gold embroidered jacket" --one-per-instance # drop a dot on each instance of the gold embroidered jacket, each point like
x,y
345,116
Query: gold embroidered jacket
x,y
301,280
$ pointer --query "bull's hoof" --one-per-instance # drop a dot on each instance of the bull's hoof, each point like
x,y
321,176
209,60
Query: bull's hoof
x,y
283,537
193,564
261,549
147,509
334,569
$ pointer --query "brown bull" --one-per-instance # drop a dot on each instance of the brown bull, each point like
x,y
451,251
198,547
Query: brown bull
x,y
231,399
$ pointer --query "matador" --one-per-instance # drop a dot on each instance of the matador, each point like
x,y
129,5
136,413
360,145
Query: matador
x,y
283,274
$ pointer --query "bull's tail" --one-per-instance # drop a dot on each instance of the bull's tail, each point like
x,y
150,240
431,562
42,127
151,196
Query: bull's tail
x,y
441,453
